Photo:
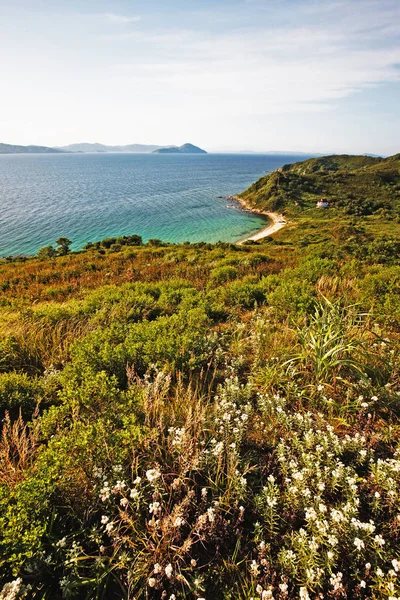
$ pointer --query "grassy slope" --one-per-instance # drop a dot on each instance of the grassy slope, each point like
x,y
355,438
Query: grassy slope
x,y
253,389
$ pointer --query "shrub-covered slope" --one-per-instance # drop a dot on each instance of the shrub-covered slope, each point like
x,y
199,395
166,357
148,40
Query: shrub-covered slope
x,y
204,421
358,185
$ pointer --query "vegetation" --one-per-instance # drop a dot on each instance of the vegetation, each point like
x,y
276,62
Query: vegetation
x,y
205,421
358,185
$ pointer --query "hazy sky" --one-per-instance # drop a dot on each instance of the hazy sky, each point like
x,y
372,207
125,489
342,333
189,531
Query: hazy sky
x,y
312,75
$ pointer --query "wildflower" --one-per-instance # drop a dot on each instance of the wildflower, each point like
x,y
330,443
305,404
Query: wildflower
x,y
104,519
363,584
259,589
12,590
313,545
283,587
218,448
154,508
105,492
169,570
267,595
359,544
102,549
152,582
396,565
137,481
211,515
303,594
172,597
62,543
178,522
109,527
134,494
118,487
254,568
153,475
377,495
204,492
157,569
193,563
336,581
379,540
124,502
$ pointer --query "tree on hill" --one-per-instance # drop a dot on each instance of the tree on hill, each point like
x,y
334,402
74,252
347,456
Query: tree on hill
x,y
47,252
63,245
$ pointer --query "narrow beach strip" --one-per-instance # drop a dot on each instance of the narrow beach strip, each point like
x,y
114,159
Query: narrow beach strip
x,y
276,222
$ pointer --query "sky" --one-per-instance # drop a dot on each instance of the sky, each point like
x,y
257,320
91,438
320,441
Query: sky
x,y
227,75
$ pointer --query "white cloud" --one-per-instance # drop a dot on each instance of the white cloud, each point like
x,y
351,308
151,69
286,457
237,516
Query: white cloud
x,y
300,67
120,18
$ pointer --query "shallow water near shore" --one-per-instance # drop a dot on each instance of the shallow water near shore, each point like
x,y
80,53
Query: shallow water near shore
x,y
87,197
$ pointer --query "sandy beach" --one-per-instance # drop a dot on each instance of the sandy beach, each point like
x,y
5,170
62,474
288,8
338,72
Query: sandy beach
x,y
277,222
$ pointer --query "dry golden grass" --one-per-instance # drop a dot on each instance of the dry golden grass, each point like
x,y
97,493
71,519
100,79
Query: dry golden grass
x,y
18,446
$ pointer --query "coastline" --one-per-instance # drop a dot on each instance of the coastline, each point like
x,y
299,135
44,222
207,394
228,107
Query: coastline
x,y
276,222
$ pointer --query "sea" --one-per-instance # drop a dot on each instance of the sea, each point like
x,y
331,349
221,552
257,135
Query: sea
x,y
88,197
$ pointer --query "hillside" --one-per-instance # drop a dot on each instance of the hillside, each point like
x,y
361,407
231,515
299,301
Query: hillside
x,y
12,149
357,185
185,149
206,421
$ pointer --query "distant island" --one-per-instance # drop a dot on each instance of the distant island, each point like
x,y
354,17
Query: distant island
x,y
12,149
185,149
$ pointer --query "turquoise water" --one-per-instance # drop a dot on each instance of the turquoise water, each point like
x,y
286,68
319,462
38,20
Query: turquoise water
x,y
87,197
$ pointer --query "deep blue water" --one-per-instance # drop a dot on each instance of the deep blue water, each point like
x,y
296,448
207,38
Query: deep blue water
x,y
87,197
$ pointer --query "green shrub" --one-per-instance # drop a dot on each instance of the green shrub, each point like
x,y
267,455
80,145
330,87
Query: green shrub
x,y
19,392
221,275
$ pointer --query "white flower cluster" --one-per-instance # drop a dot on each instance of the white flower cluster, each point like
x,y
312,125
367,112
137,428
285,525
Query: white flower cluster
x,y
14,590
230,419
315,464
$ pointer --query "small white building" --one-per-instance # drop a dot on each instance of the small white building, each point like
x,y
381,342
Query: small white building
x,y
323,203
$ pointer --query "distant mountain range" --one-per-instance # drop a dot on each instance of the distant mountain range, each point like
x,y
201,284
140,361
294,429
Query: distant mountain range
x,y
130,148
134,149
12,149
87,147
185,149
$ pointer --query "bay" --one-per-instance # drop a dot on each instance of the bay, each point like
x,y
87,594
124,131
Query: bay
x,y
88,197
